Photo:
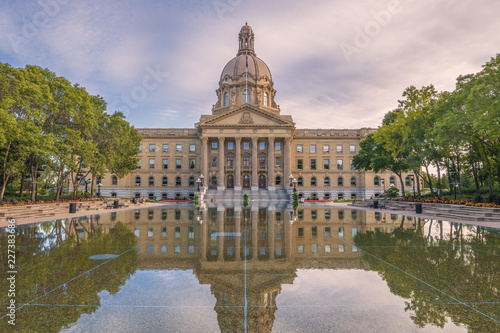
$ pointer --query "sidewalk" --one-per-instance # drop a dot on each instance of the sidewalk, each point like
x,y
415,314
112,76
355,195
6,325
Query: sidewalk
x,y
67,215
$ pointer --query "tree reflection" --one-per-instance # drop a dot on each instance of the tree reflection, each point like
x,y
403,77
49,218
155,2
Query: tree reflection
x,y
57,277
463,265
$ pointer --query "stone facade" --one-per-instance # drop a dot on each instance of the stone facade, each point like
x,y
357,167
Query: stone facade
x,y
246,143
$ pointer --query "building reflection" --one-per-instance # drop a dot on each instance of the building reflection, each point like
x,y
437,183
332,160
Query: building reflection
x,y
248,250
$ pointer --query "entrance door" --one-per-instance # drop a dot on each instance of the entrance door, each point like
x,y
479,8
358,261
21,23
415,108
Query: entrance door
x,y
230,181
262,181
246,181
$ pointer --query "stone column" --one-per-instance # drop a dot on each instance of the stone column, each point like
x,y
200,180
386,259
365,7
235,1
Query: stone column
x,y
237,173
270,231
270,165
255,164
255,233
237,239
204,235
287,162
222,161
204,160
220,232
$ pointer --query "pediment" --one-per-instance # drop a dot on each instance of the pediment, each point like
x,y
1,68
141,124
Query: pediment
x,y
246,116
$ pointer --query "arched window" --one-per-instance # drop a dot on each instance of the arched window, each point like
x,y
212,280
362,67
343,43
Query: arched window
x,y
226,98
266,99
392,181
340,181
313,181
164,181
407,181
151,181
213,181
191,181
178,181
300,181
246,96
327,181
114,180
353,181
278,181
376,181
137,181
98,179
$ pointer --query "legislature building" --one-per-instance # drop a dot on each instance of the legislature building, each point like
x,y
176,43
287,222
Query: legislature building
x,y
246,143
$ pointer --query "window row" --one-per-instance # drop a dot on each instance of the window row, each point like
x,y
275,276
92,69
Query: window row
x,y
392,181
328,248
164,181
246,162
326,181
326,164
326,149
230,145
164,164
178,148
246,98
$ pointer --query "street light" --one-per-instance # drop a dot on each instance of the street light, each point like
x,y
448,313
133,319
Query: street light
x,y
198,182
291,179
201,179
99,190
412,177
294,185
86,184
383,183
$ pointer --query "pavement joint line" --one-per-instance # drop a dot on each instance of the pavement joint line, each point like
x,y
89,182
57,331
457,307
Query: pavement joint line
x,y
422,281
76,277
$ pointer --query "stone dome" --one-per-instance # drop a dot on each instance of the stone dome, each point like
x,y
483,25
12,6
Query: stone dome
x,y
236,68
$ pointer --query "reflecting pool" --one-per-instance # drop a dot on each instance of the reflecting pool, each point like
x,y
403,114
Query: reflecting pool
x,y
185,269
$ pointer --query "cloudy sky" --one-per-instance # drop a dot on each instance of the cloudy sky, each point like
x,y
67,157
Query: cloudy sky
x,y
335,63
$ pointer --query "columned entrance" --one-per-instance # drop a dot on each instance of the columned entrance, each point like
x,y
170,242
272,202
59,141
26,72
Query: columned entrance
x,y
262,181
230,181
246,181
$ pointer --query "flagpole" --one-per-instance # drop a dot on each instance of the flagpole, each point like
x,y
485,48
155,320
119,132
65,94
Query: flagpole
x,y
246,73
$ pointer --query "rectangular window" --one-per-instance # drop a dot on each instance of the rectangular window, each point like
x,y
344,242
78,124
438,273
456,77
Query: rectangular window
x,y
300,231
326,164
340,165
300,249
313,164
314,231
230,145
230,161
339,149
165,148
262,145
214,145
246,161
341,232
165,163
177,232
312,149
151,163
328,248
152,148
140,148
191,163
139,163
246,145
278,162
192,148
262,162
299,164
178,148
328,232
352,166
191,232
352,149
178,163
314,248
277,145
326,148
299,148
341,248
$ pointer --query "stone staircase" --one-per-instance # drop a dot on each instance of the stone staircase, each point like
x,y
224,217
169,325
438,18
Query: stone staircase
x,y
261,197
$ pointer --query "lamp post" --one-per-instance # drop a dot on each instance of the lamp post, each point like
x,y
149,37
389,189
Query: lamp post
x,y
198,182
383,183
86,184
99,190
291,179
201,179
294,185
412,177
454,175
